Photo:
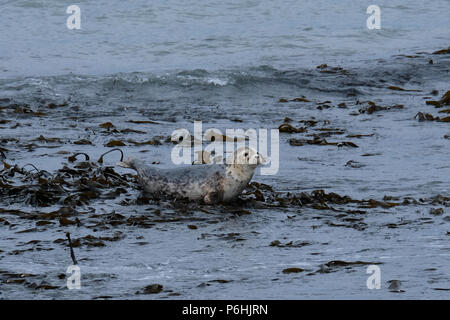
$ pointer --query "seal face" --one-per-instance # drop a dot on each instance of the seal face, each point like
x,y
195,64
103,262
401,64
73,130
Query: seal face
x,y
209,183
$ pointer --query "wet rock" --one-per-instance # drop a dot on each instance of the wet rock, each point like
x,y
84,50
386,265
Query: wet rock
x,y
346,144
395,88
275,243
287,128
374,108
115,143
359,135
395,286
153,142
132,131
102,297
47,140
83,142
292,270
221,281
440,199
341,263
66,222
203,285
15,281
444,101
143,121
323,106
317,140
326,132
436,211
324,68
442,51
424,117
107,125
43,286
301,99
354,164
290,244
151,289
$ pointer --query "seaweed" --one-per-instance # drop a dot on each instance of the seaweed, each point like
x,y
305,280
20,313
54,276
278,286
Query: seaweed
x,y
317,140
444,101
293,270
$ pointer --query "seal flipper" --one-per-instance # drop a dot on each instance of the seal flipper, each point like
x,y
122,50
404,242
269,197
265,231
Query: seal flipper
x,y
212,197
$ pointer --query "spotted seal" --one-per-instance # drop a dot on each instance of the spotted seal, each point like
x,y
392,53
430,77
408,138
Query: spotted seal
x,y
208,183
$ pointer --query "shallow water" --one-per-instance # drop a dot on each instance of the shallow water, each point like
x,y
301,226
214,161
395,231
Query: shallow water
x,y
220,63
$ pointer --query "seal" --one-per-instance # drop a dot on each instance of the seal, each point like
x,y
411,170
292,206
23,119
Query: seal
x,y
208,183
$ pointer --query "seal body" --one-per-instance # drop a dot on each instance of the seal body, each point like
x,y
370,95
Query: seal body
x,y
208,183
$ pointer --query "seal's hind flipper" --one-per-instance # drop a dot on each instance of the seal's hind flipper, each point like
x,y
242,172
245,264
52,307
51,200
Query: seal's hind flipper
x,y
211,198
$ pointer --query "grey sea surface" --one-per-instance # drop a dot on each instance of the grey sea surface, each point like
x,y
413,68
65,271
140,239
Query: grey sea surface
x,y
151,67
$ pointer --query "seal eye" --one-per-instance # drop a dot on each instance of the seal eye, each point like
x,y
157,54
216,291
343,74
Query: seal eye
x,y
246,154
180,139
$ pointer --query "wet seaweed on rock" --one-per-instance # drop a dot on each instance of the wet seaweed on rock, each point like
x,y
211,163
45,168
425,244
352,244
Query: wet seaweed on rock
x,y
317,140
107,125
115,143
395,88
68,186
374,108
290,244
288,128
324,68
444,101
442,51
143,121
151,289
428,117
82,142
293,270
299,99
154,142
